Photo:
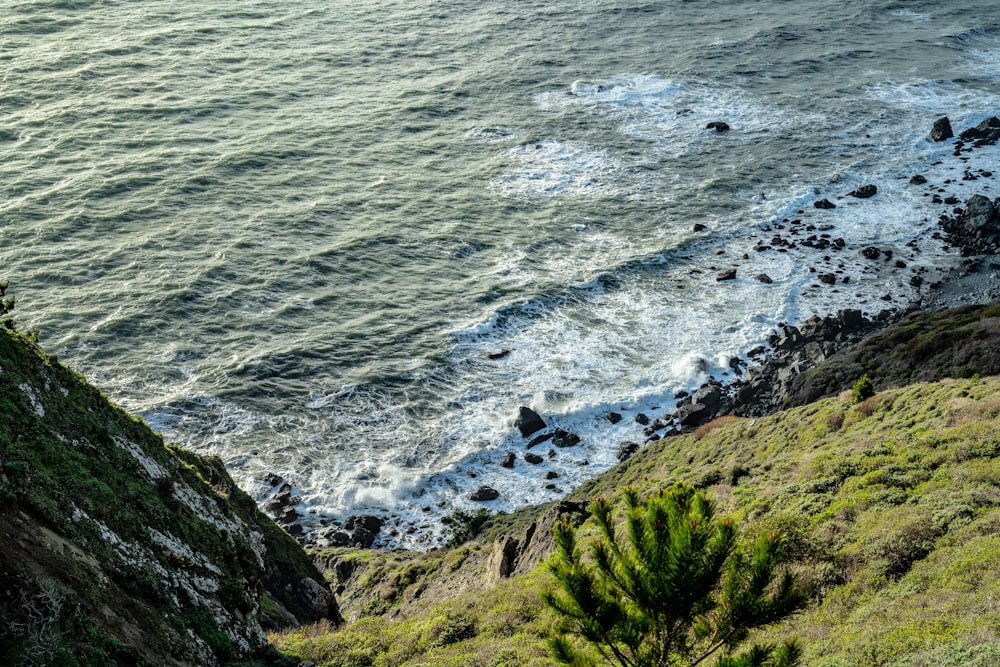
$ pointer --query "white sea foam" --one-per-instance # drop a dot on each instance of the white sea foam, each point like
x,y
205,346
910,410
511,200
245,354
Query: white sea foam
x,y
557,168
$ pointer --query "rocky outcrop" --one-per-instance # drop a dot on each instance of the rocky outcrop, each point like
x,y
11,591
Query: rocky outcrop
x,y
765,387
484,494
864,192
974,229
520,555
528,421
139,551
942,129
984,134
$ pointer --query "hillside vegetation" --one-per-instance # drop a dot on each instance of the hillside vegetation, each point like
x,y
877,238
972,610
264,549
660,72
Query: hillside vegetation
x,y
116,549
891,509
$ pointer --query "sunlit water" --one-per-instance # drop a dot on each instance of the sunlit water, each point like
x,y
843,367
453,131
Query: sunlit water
x,y
290,233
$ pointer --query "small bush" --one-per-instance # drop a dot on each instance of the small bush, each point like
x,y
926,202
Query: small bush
x,y
736,472
862,389
835,421
463,526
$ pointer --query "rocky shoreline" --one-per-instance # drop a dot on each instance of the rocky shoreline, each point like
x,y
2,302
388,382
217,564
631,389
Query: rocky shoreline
x,y
764,382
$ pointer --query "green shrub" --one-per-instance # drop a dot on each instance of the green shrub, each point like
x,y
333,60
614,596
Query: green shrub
x,y
862,389
676,590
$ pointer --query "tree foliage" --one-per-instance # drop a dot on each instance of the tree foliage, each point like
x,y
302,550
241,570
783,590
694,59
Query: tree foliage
x,y
862,389
672,588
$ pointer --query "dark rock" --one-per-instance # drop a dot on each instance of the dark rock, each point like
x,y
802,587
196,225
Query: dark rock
x,y
900,264
681,394
539,439
918,180
338,538
508,460
728,274
533,459
552,474
363,529
614,417
626,450
641,419
942,129
864,192
984,134
563,438
272,479
498,355
871,252
827,278
764,278
693,414
718,126
916,281
698,227
951,201
484,494
824,204
980,214
528,421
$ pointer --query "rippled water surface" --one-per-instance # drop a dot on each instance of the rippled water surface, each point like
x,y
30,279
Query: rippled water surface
x,y
290,233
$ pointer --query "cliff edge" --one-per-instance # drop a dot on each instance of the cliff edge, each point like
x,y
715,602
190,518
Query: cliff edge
x,y
117,549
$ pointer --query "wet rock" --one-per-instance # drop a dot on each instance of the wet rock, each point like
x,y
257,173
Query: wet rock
x,y
984,134
363,529
864,192
871,252
533,459
626,450
827,278
916,281
763,278
824,204
272,480
942,129
728,274
614,417
484,494
498,355
693,414
508,460
980,214
919,179
718,126
528,421
552,474
698,227
539,439
563,438
642,419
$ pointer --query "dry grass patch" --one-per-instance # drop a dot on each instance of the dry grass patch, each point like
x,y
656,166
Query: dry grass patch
x,y
718,422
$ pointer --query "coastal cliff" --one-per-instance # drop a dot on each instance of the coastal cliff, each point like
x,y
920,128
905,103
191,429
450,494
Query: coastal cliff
x,y
116,548
120,549
890,504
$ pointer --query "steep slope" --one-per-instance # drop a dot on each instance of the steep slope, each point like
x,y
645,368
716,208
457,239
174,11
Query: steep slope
x,y
891,508
118,549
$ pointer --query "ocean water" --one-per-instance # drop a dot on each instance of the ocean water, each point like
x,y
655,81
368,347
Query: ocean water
x,y
290,233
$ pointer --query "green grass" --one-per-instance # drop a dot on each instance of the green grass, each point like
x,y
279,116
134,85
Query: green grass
x,y
891,508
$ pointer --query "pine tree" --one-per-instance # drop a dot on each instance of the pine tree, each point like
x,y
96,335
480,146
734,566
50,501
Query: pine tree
x,y
675,589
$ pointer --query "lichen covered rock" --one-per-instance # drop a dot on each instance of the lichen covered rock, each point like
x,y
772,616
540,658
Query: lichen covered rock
x,y
116,548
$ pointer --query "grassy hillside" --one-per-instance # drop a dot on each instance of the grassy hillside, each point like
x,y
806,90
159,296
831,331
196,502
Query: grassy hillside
x,y
118,549
891,508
